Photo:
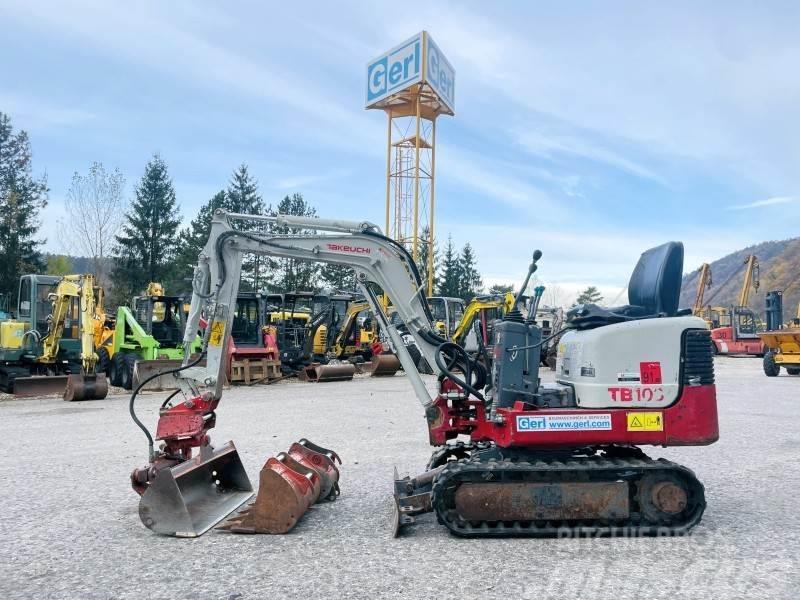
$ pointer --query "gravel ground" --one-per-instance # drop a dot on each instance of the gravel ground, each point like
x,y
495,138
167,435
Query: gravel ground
x,y
70,527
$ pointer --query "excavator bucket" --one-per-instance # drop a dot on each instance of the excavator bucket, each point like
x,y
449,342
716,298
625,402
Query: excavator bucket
x,y
40,385
335,372
146,368
324,467
384,365
288,485
86,387
285,491
190,498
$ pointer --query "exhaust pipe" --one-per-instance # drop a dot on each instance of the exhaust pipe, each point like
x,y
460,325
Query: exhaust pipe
x,y
288,485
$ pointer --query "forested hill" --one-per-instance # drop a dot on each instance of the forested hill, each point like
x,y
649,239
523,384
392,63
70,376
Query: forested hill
x,y
779,270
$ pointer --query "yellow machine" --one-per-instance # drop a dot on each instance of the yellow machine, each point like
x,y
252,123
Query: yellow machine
x,y
703,283
487,309
88,385
355,339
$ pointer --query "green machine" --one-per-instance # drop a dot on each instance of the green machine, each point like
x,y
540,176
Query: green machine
x,y
148,338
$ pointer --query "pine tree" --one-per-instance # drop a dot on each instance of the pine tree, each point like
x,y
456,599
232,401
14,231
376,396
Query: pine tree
x,y
192,239
450,277
242,197
21,198
338,277
58,264
501,288
145,250
469,280
291,274
591,295
422,259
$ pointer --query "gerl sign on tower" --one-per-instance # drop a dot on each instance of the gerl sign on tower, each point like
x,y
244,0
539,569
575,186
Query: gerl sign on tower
x,y
413,83
417,60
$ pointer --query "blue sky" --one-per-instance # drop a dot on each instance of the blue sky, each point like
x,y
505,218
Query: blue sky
x,y
589,130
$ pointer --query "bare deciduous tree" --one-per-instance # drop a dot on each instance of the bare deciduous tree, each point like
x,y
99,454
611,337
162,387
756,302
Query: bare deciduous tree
x,y
95,208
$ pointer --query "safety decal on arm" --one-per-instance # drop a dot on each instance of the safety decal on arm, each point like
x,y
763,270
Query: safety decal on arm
x,y
217,333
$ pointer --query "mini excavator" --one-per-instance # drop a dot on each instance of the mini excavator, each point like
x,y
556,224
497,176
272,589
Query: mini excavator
x,y
514,456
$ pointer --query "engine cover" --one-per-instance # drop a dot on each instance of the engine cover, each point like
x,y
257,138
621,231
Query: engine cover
x,y
630,364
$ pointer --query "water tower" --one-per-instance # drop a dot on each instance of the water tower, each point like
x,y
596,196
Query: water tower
x,y
413,83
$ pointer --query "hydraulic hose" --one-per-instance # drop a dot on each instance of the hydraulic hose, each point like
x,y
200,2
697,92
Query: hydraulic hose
x,y
468,366
131,408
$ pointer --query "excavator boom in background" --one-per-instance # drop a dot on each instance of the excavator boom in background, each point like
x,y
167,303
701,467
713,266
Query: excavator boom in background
x,y
542,459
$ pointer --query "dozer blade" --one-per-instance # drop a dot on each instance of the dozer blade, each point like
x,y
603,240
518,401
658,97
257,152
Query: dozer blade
x,y
384,365
284,495
40,386
145,368
86,387
321,373
190,498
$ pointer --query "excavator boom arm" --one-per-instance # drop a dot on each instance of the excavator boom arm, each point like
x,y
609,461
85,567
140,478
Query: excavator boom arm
x,y
374,257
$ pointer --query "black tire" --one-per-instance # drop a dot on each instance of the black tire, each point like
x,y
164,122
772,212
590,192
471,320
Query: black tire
x,y
116,368
127,371
103,361
771,368
793,370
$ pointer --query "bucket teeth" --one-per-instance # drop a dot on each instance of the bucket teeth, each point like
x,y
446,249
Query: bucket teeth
x,y
289,484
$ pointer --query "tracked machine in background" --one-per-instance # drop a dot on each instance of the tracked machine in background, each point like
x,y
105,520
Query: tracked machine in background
x,y
50,346
533,460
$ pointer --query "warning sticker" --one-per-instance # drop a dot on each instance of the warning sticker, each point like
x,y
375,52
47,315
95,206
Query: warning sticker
x,y
645,421
217,333
596,421
650,373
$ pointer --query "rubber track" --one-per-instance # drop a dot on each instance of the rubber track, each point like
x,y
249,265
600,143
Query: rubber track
x,y
552,470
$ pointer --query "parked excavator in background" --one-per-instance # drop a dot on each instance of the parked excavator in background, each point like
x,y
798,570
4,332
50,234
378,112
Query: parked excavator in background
x,y
49,337
75,301
252,348
735,329
542,459
447,313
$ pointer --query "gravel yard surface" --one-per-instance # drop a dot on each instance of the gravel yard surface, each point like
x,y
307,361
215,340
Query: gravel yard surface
x,y
70,526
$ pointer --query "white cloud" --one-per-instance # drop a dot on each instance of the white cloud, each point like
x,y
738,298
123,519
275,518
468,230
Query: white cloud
x,y
767,202
32,113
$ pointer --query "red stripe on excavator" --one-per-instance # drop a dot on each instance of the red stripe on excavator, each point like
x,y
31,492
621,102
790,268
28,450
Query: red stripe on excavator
x,y
692,421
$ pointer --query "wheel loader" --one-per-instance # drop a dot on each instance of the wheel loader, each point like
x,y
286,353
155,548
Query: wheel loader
x,y
512,456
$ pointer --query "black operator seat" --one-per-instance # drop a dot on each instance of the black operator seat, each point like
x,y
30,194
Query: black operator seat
x,y
654,290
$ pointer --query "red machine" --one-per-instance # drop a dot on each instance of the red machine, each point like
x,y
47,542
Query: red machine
x,y
734,330
533,459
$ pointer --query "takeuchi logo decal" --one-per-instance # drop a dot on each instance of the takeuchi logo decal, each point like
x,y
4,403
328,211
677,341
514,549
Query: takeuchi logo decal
x,y
349,249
